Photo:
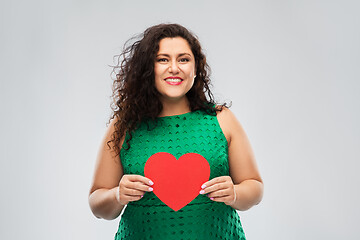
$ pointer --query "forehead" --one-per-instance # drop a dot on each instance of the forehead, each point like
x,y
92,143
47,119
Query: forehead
x,y
174,45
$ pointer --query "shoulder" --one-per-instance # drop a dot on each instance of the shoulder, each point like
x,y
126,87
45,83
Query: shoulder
x,y
225,115
223,110
227,121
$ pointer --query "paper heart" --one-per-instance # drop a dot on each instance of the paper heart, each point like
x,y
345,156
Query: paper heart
x,y
177,182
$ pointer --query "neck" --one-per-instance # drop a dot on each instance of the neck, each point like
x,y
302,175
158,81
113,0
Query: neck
x,y
171,108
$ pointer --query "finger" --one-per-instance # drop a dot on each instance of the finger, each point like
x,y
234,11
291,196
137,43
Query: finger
x,y
215,187
132,192
222,199
220,193
139,178
214,181
139,186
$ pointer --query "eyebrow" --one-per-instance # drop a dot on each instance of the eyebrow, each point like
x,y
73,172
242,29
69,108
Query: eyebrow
x,y
179,55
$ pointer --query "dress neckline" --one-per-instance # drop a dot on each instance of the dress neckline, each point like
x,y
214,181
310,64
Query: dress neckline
x,y
177,115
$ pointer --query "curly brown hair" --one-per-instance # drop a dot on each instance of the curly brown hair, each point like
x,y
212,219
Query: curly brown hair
x,y
135,97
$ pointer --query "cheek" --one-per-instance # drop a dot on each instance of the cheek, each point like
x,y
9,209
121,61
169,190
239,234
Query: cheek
x,y
160,69
156,71
191,74
190,71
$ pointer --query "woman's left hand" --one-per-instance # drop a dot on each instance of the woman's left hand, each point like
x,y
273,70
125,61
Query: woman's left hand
x,y
220,189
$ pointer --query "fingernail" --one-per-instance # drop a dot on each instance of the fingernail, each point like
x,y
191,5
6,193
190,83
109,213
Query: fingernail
x,y
212,198
202,192
151,183
203,186
142,196
150,189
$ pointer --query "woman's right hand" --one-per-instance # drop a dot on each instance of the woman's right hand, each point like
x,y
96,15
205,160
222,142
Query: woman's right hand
x,y
132,188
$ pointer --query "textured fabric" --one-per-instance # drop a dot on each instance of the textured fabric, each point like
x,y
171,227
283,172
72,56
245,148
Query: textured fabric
x,y
202,218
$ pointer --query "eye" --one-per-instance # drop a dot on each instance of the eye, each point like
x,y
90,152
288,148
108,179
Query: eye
x,y
184,60
162,60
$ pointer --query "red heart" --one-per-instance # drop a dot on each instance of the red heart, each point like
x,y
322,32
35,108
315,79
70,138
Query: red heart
x,y
177,182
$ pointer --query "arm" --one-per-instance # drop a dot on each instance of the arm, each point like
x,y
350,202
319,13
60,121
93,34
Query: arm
x,y
111,190
108,172
243,169
244,188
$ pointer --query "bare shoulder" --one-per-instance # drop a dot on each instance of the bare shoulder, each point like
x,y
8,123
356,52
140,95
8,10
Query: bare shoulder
x,y
227,121
225,113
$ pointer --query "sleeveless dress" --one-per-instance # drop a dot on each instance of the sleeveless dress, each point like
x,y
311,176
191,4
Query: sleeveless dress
x,y
149,218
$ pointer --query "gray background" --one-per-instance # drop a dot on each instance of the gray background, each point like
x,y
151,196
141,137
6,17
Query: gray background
x,y
291,69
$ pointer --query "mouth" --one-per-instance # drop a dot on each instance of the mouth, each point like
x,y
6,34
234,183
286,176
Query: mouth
x,y
173,80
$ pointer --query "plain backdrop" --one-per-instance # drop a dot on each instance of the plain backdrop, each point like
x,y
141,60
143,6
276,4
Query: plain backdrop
x,y
290,68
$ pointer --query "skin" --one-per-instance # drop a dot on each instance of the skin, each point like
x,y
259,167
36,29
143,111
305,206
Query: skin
x,y
111,190
244,187
174,59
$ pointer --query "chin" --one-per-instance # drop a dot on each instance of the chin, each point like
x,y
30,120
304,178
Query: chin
x,y
173,97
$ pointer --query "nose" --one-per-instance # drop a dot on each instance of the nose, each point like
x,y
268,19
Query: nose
x,y
174,68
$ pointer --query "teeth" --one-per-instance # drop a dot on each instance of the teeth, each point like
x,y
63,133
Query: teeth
x,y
173,80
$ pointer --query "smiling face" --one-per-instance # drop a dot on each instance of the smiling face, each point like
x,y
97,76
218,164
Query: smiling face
x,y
174,69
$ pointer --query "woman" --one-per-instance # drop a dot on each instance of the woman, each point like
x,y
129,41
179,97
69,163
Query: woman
x,y
163,104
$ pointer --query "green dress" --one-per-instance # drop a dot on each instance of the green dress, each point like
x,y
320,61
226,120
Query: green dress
x,y
202,218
